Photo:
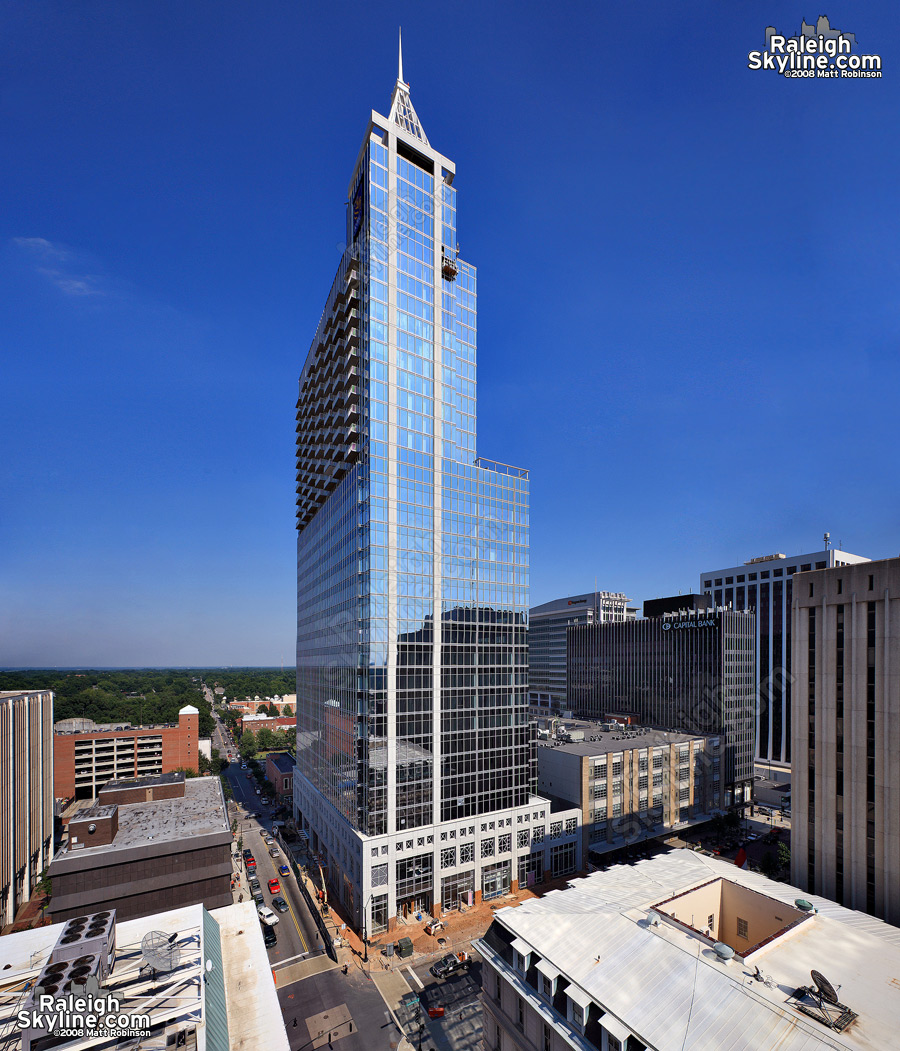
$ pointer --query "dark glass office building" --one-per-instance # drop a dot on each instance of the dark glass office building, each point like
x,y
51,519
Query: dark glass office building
x,y
691,672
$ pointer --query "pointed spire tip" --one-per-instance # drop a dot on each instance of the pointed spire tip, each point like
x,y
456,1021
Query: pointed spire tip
x,y
400,54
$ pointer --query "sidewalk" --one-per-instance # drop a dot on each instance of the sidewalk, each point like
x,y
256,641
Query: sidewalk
x,y
461,927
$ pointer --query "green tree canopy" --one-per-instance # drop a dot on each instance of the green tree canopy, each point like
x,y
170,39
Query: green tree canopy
x,y
247,746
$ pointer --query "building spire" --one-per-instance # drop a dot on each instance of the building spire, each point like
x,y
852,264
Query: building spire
x,y
402,112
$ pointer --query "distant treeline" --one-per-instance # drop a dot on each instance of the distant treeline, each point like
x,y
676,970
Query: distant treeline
x,y
137,697
252,682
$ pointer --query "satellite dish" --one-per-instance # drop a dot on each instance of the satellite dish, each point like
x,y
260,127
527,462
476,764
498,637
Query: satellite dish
x,y
160,952
824,987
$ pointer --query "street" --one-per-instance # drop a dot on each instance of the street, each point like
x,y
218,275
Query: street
x,y
369,1008
296,930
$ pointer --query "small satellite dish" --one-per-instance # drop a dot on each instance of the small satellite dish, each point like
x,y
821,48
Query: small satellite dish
x,y
160,952
824,987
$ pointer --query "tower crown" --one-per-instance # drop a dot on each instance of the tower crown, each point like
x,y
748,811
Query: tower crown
x,y
403,113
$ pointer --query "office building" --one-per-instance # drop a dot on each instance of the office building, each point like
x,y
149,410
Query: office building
x,y
416,765
656,607
87,756
633,785
145,846
764,585
690,672
845,770
26,795
685,951
547,625
201,978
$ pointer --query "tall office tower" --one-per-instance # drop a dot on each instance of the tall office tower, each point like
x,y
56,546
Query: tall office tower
x,y
414,746
764,585
547,625
845,773
26,795
690,672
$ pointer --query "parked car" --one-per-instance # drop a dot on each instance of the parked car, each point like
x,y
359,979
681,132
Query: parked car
x,y
258,900
270,938
283,870
274,852
450,964
274,886
280,904
248,853
255,885
266,915
250,864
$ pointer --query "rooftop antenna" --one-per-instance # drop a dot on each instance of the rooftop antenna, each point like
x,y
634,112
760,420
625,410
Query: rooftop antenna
x,y
161,951
823,987
400,54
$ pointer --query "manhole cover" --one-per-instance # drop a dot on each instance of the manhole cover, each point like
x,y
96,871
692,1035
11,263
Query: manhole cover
x,y
442,941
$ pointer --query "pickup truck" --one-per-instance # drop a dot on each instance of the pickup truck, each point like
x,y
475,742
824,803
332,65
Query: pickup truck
x,y
450,964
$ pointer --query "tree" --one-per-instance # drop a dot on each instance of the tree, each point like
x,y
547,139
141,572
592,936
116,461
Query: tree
x,y
769,864
784,856
248,744
266,740
203,764
287,711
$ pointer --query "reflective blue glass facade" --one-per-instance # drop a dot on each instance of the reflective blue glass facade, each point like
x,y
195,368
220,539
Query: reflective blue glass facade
x,y
412,553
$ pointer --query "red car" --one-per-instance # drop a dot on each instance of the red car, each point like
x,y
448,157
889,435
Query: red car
x,y
274,886
250,864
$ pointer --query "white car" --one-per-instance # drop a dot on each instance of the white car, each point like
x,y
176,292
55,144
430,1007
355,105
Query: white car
x,y
266,915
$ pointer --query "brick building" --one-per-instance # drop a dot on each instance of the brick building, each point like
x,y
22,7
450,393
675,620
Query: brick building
x,y
280,775
85,760
268,722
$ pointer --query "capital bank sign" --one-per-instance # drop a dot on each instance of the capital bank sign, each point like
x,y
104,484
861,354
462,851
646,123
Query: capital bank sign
x,y
693,624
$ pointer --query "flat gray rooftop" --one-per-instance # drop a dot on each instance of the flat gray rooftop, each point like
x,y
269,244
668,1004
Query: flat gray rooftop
x,y
171,778
200,812
609,741
283,761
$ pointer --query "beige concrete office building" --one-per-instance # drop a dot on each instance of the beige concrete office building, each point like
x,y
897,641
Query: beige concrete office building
x,y
846,730
633,784
26,794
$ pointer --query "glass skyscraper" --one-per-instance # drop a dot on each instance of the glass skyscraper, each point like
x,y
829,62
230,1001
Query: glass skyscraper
x,y
414,746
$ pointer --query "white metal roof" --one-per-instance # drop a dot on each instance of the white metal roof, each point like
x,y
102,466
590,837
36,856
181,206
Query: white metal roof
x,y
666,984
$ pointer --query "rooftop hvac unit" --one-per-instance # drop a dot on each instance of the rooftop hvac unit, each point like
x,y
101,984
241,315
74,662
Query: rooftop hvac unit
x,y
84,935
77,977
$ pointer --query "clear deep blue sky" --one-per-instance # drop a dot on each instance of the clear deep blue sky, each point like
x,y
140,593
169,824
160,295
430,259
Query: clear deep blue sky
x,y
688,294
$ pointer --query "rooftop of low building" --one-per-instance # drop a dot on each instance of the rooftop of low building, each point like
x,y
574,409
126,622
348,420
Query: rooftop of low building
x,y
600,742
228,954
199,812
636,941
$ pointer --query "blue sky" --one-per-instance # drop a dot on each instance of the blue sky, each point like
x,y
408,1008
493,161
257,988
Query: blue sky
x,y
688,294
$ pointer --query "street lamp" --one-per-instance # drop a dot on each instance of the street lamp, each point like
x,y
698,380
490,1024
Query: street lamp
x,y
365,930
